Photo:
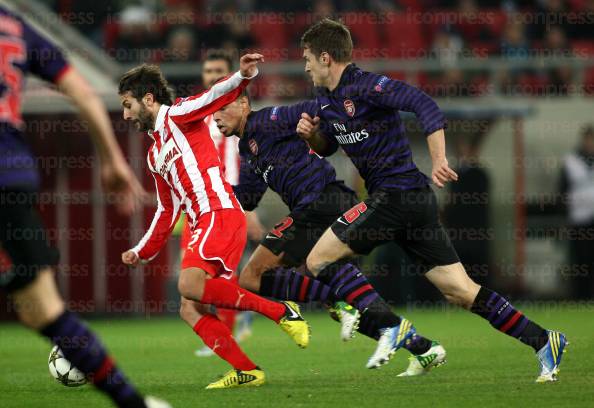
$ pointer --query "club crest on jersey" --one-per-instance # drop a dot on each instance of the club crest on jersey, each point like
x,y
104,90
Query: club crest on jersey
x,y
349,107
253,146
273,114
167,156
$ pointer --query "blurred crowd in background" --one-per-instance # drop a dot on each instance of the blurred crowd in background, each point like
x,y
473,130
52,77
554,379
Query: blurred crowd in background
x,y
446,31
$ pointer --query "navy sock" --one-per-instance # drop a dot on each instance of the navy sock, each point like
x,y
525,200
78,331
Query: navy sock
x,y
348,283
500,313
84,350
287,284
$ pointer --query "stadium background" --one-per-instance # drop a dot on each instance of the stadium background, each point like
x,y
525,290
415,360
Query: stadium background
x,y
515,78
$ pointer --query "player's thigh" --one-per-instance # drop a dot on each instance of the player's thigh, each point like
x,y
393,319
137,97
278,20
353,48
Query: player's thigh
x,y
191,283
327,250
262,259
39,303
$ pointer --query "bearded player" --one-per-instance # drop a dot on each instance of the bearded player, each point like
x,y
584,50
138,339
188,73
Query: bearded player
x,y
188,177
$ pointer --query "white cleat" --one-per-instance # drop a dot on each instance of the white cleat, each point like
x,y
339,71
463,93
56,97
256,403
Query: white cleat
x,y
423,363
152,402
391,339
204,352
349,319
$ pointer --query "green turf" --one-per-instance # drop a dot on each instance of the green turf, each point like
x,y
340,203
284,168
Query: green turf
x,y
484,369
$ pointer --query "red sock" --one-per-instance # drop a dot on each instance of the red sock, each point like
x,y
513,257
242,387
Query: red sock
x,y
227,316
222,293
218,337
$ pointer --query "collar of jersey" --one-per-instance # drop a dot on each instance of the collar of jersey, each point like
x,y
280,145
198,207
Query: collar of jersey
x,y
160,119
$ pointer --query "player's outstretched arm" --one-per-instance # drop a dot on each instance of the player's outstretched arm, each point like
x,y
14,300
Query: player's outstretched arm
x,y
197,107
308,129
441,172
116,175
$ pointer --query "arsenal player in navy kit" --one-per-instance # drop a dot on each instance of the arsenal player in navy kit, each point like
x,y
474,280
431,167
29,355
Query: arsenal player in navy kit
x,y
358,112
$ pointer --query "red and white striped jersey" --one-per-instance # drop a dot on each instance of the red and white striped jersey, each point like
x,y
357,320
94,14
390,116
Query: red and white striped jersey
x,y
185,163
228,148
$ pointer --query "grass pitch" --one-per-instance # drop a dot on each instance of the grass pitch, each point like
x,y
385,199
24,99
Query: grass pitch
x,y
485,368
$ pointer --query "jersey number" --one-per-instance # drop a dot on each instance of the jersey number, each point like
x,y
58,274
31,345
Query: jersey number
x,y
10,80
278,229
354,213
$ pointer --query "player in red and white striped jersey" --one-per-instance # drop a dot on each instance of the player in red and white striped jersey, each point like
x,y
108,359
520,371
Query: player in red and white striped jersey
x,y
215,66
188,177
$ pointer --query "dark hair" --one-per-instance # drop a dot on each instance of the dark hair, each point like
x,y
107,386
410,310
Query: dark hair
x,y
146,79
329,36
217,55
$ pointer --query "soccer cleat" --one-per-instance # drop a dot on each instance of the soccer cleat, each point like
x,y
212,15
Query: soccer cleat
x,y
243,327
550,355
205,351
239,378
294,324
423,363
391,339
349,319
152,402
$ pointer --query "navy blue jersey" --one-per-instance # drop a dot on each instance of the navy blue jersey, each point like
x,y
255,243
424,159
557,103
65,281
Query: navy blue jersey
x,y
22,51
361,116
273,155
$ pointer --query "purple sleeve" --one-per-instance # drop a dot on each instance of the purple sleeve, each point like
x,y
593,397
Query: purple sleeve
x,y
390,93
251,187
45,59
292,113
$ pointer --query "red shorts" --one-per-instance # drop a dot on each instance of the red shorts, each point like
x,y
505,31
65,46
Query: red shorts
x,y
216,243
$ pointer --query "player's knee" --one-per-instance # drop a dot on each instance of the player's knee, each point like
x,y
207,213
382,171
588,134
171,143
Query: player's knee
x,y
191,284
462,294
37,318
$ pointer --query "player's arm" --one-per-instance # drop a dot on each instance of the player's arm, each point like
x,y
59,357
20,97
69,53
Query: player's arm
x,y
398,95
251,187
225,91
308,128
164,220
441,172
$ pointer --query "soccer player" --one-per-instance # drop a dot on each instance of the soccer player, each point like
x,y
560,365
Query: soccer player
x,y
358,111
188,176
30,280
218,65
274,156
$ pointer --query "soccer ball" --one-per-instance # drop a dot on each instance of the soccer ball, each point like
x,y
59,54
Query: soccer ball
x,y
63,370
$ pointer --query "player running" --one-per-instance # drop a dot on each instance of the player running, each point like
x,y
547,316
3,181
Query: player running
x,y
358,111
30,280
274,156
216,66
185,165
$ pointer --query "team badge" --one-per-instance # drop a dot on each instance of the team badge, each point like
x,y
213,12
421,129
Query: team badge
x,y
253,146
349,107
274,113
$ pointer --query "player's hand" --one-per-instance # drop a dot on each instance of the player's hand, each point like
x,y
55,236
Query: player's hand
x,y
248,64
307,126
130,258
255,229
441,173
117,178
